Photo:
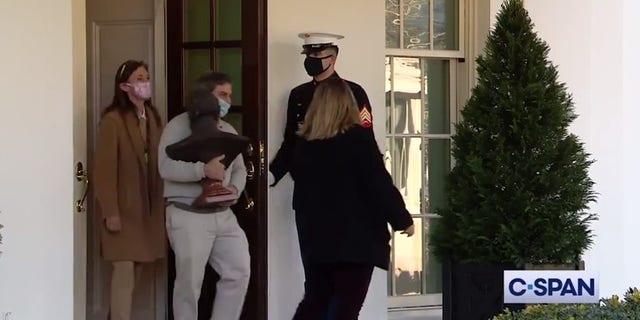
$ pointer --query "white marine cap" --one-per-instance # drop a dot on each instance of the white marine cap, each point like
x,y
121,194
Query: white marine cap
x,y
318,41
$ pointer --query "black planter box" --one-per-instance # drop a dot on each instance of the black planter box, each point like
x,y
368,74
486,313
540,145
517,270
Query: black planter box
x,y
473,291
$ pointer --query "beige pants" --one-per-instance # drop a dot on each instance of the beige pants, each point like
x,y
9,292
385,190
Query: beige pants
x,y
215,238
123,281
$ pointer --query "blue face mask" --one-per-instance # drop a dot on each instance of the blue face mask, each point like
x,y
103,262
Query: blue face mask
x,y
224,107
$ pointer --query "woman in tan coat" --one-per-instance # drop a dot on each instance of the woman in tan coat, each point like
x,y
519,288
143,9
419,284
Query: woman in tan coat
x,y
127,185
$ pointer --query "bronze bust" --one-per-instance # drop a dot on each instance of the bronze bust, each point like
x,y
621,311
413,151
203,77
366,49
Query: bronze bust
x,y
205,143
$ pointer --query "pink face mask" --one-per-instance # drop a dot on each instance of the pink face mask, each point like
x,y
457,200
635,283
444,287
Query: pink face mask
x,y
141,90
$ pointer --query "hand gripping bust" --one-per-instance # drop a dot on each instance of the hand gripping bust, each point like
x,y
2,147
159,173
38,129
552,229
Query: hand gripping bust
x,y
205,143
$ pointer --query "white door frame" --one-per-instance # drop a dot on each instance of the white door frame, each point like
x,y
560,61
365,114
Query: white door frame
x,y
160,50
81,137
79,62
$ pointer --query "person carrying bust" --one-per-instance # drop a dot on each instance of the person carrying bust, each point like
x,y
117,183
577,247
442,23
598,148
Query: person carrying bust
x,y
199,236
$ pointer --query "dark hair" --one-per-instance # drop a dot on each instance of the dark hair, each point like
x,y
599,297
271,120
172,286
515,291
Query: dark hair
x,y
210,80
121,101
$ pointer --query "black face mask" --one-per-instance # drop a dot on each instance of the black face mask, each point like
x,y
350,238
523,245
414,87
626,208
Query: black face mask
x,y
313,65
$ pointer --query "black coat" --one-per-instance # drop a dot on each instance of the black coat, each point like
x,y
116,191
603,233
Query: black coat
x,y
299,99
343,198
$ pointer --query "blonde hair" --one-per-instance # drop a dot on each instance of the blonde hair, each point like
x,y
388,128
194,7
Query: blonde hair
x,y
333,110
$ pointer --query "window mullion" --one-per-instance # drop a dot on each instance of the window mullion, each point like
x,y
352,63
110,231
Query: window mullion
x,y
425,161
453,104
401,17
424,131
392,105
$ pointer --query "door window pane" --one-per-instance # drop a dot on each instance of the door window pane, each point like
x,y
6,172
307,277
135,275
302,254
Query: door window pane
x,y
197,20
228,20
196,62
234,119
229,61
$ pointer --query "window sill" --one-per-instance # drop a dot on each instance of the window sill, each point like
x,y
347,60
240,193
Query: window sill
x,y
418,314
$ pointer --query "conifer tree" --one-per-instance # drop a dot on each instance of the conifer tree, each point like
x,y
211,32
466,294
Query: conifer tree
x,y
520,190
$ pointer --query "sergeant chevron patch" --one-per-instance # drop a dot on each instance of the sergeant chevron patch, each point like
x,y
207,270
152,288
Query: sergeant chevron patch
x,y
365,117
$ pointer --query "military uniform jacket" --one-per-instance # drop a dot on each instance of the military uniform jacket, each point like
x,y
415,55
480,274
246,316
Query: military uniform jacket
x,y
299,100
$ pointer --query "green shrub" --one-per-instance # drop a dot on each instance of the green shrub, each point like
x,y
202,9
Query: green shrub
x,y
520,190
607,309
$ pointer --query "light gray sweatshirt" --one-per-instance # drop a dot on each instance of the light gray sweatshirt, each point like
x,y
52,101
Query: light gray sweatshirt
x,y
182,179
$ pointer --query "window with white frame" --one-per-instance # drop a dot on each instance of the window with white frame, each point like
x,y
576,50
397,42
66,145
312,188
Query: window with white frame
x,y
423,41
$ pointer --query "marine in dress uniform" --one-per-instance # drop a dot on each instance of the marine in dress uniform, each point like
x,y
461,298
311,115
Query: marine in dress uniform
x,y
300,98
318,47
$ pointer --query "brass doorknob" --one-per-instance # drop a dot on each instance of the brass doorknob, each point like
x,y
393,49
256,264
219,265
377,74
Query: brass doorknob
x,y
250,204
251,170
262,156
250,150
80,172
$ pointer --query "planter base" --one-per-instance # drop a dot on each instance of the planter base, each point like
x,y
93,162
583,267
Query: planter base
x,y
566,266
474,292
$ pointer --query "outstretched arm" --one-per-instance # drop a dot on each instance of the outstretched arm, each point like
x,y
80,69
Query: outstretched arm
x,y
379,184
281,163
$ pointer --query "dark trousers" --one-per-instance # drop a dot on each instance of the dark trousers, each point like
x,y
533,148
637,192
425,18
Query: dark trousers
x,y
327,314
343,286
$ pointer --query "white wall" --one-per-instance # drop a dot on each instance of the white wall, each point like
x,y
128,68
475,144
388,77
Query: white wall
x,y
630,135
595,46
36,185
494,8
361,59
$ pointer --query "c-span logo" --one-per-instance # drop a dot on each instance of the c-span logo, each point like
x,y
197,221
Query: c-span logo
x,y
551,287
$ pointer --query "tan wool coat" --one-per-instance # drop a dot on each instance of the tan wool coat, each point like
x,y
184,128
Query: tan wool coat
x,y
127,183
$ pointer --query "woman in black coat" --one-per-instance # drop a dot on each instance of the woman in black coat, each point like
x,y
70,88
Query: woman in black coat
x,y
343,198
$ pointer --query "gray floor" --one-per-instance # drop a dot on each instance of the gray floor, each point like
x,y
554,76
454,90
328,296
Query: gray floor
x,y
431,314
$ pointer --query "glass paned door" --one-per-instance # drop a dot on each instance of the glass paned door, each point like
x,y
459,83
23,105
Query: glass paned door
x,y
227,36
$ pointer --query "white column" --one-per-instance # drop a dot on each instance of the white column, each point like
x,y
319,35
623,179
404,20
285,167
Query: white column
x,y
593,44
36,164
630,136
607,145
